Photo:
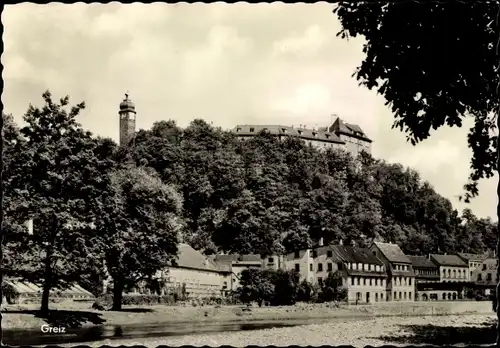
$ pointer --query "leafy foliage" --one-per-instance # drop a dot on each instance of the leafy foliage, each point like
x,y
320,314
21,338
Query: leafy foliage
x,y
432,83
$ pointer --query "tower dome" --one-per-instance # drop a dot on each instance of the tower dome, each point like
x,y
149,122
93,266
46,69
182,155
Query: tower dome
x,y
127,105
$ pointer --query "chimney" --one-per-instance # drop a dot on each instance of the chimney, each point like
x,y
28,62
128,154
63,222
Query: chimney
x,y
341,242
320,243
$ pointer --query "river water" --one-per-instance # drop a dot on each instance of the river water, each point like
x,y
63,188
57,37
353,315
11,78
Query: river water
x,y
98,333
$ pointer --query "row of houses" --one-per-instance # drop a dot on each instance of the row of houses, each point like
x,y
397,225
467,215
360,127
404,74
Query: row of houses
x,y
381,272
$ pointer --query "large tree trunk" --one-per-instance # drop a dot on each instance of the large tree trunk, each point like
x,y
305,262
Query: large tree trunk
x,y
498,191
117,294
47,282
1,225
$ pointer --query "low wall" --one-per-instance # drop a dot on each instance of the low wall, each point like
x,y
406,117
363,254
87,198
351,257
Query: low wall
x,y
426,308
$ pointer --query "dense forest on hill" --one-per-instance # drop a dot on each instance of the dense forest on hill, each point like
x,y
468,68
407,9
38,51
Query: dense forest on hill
x,y
267,196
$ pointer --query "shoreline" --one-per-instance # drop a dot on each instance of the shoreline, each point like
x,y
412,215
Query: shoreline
x,y
428,330
24,317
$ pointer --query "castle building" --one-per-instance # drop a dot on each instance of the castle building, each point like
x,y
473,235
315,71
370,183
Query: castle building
x,y
339,135
127,120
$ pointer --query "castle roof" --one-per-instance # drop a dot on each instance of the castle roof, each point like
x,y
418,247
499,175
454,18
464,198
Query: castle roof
x,y
303,133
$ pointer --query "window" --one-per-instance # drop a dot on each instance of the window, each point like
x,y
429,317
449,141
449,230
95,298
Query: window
x,y
409,281
449,273
400,295
315,253
339,265
359,266
297,254
330,266
297,267
488,277
270,260
376,297
352,281
454,273
320,281
395,295
329,253
409,296
404,295
370,281
320,267
311,267
358,281
376,281
354,266
381,296
238,129
479,278
444,273
364,281
484,267
252,129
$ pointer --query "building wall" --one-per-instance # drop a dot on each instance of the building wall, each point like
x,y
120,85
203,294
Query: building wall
x,y
199,283
273,262
127,127
486,272
359,286
402,288
355,145
304,262
437,295
454,274
422,273
322,265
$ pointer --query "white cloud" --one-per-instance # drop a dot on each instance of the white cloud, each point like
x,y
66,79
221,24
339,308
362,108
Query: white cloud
x,y
240,63
308,43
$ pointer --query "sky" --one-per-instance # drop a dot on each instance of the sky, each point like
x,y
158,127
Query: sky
x,y
228,64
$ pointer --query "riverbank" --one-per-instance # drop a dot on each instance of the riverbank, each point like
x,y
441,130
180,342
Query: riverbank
x,y
73,314
476,329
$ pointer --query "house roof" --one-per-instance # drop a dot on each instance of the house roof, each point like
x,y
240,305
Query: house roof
x,y
320,134
392,252
472,257
356,255
191,258
421,262
24,287
238,258
349,129
448,260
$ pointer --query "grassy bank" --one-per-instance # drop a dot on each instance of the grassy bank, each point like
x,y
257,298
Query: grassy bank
x,y
80,314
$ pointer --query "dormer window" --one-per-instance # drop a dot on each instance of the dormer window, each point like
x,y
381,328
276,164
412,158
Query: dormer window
x,y
252,129
314,134
238,129
299,131
283,130
327,136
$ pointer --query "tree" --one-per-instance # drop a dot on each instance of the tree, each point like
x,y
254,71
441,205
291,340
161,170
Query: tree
x,y
331,289
61,174
139,228
432,82
256,286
